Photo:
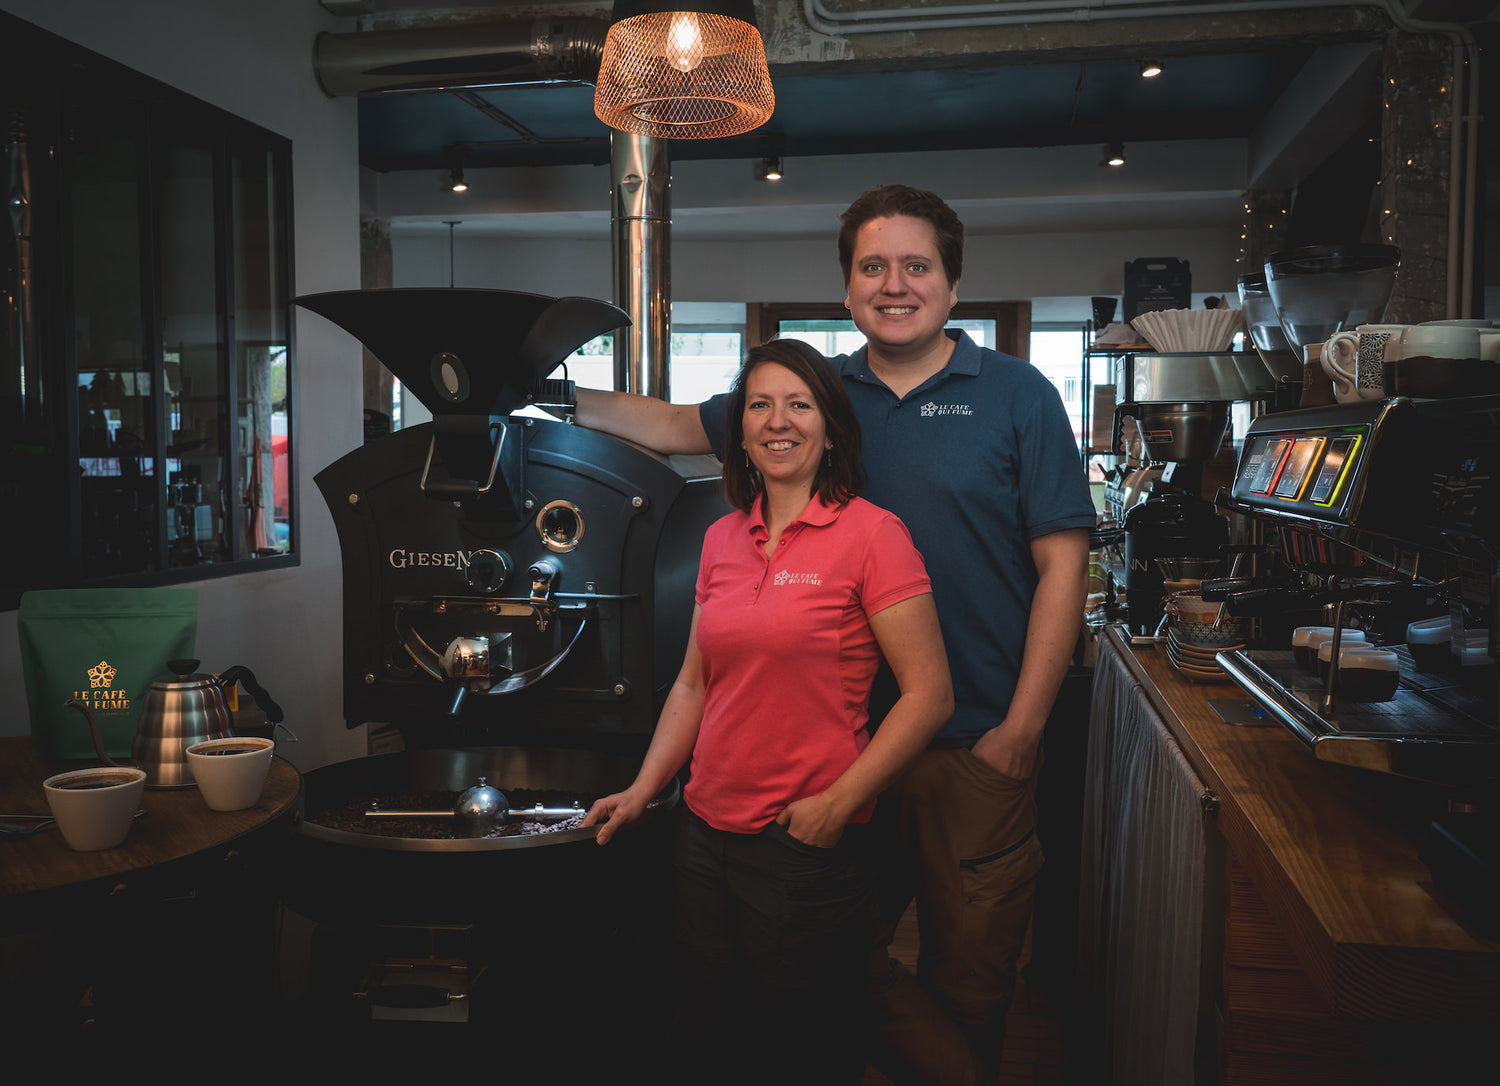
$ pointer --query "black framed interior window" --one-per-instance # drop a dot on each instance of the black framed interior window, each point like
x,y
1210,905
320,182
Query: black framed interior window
x,y
147,369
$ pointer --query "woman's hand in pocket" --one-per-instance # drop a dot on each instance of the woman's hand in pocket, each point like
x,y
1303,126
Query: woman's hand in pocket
x,y
813,821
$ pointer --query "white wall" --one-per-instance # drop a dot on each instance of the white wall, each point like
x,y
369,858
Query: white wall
x,y
254,60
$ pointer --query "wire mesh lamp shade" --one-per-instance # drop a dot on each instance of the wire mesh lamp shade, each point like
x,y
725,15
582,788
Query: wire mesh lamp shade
x,y
684,74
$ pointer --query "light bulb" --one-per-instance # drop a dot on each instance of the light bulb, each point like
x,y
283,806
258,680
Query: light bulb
x,y
684,46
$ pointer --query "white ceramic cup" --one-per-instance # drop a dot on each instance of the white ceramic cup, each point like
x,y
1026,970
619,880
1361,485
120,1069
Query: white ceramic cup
x,y
1439,341
95,808
1355,361
1459,324
231,772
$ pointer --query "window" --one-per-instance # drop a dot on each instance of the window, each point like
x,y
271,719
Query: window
x,y
148,368
1058,353
703,362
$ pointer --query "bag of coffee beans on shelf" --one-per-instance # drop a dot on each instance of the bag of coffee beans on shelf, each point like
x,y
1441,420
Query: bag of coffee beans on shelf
x,y
105,647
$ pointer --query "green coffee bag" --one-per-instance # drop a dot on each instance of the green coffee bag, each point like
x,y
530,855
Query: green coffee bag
x,y
104,646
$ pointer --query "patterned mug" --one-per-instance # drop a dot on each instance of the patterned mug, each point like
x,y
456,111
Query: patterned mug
x,y
1356,360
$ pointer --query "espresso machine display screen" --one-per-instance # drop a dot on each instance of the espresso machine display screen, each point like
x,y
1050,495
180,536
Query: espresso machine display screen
x,y
1300,470
1263,465
1331,470
1304,453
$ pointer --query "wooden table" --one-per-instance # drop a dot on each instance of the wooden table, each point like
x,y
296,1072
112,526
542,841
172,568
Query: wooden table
x,y
40,873
176,924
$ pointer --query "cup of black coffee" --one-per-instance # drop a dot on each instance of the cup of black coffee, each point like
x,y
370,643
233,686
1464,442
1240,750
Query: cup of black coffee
x,y
95,808
231,772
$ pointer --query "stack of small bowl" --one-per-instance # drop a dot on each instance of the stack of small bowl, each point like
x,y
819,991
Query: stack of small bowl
x,y
1197,632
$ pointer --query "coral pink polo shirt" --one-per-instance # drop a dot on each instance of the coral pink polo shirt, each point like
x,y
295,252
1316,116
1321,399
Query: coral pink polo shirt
x,y
788,654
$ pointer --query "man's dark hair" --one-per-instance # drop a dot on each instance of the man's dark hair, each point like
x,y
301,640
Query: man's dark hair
x,y
840,473
889,200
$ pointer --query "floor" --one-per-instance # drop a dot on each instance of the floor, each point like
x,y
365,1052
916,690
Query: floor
x,y
1033,1029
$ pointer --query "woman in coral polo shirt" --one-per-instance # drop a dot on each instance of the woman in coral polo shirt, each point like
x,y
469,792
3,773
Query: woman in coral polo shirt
x,y
800,595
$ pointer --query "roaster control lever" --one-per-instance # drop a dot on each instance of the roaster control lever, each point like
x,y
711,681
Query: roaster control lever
x,y
544,575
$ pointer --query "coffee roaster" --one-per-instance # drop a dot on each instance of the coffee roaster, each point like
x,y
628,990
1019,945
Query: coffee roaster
x,y
517,594
507,580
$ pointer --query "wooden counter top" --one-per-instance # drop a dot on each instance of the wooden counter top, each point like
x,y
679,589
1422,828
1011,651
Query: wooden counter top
x,y
1334,853
40,872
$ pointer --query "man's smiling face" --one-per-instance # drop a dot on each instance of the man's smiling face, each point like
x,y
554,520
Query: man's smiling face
x,y
899,295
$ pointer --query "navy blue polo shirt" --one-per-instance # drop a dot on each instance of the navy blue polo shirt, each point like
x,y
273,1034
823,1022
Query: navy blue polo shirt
x,y
977,461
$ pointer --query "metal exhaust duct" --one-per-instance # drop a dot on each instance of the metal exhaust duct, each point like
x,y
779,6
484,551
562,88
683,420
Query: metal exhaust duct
x,y
545,51
640,231
460,56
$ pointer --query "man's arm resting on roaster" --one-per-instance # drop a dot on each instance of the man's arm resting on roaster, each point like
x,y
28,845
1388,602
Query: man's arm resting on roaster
x,y
667,428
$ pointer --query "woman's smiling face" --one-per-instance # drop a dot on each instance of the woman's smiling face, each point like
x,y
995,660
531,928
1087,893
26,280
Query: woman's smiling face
x,y
785,434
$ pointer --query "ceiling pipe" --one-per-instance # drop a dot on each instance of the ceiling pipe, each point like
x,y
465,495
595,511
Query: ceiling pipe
x,y
466,56
1464,150
555,51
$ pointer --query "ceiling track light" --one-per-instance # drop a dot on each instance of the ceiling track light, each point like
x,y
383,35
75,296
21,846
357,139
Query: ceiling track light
x,y
1150,69
684,74
1114,154
768,166
456,180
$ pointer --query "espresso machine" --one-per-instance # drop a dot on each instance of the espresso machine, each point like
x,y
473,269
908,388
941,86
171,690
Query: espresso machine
x,y
1382,516
1381,506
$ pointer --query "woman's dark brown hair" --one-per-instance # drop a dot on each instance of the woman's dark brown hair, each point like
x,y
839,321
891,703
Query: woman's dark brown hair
x,y
840,473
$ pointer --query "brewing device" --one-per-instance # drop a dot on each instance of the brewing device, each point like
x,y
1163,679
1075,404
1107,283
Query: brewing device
x,y
517,594
1180,404
1382,508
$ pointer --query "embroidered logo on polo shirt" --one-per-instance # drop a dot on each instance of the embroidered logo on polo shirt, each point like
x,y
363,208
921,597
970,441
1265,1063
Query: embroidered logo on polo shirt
x,y
929,409
786,577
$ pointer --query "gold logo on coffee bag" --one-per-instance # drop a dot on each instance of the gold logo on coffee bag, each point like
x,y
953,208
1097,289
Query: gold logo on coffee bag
x,y
101,674
103,695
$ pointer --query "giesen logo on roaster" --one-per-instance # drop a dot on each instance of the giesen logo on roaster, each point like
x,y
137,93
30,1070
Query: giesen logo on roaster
x,y
404,559
102,695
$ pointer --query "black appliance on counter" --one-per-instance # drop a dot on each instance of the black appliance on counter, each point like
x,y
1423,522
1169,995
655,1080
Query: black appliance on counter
x,y
1180,404
517,594
1373,504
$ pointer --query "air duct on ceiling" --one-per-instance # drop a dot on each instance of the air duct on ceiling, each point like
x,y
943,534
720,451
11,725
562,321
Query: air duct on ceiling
x,y
460,56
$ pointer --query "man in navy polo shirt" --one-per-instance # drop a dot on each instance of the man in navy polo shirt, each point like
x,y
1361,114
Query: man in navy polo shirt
x,y
973,450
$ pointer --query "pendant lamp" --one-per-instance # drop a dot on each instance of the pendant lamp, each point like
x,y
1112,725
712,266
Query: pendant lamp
x,y
677,74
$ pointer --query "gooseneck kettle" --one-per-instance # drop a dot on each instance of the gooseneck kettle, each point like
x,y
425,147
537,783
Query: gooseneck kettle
x,y
190,708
